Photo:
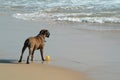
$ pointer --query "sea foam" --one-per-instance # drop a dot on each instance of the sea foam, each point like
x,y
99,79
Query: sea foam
x,y
92,19
74,17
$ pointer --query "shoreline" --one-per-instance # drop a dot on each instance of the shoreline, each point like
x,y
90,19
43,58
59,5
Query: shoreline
x,y
95,53
11,70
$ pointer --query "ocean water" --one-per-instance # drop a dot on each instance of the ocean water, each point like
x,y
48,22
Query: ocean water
x,y
82,11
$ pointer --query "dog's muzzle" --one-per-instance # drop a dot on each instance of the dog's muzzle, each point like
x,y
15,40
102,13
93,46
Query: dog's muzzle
x,y
48,34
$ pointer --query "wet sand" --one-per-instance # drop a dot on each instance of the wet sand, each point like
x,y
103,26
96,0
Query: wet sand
x,y
13,35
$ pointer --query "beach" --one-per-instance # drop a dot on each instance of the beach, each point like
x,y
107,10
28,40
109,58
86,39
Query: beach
x,y
10,51
76,53
33,71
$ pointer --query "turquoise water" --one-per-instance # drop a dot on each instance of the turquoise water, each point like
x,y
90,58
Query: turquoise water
x,y
82,11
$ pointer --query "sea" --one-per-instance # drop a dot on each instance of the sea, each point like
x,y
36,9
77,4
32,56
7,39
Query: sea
x,y
80,11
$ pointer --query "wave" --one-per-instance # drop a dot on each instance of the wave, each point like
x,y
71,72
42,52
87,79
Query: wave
x,y
73,17
30,16
92,19
79,5
87,11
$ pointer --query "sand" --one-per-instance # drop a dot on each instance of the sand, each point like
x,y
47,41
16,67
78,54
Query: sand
x,y
37,72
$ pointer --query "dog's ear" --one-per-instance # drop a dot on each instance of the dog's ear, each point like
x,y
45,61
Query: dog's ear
x,y
42,32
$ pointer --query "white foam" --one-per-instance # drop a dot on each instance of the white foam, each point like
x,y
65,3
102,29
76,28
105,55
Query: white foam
x,y
74,17
19,16
29,16
92,19
35,15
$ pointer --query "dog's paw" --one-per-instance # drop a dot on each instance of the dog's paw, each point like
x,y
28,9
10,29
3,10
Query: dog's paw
x,y
27,63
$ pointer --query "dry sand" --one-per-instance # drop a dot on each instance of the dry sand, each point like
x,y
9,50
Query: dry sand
x,y
37,72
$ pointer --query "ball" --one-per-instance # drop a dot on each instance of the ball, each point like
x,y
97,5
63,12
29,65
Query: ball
x,y
47,58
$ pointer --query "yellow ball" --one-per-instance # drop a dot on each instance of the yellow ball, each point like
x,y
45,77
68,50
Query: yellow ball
x,y
47,58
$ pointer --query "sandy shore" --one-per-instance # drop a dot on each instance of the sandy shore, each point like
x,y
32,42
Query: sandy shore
x,y
17,31
37,72
93,53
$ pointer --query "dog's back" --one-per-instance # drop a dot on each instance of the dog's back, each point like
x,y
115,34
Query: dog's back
x,y
34,42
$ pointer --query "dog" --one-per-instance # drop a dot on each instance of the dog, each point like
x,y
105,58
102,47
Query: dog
x,y
35,43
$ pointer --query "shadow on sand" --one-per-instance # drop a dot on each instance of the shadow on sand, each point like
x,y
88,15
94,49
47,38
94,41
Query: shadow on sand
x,y
11,61
14,61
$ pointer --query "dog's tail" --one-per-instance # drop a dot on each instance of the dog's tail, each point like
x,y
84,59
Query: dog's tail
x,y
26,43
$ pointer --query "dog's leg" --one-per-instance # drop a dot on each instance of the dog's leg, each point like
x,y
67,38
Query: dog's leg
x,y
41,51
23,49
30,52
32,56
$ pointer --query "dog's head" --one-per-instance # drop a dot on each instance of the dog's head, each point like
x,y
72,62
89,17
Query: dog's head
x,y
45,32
